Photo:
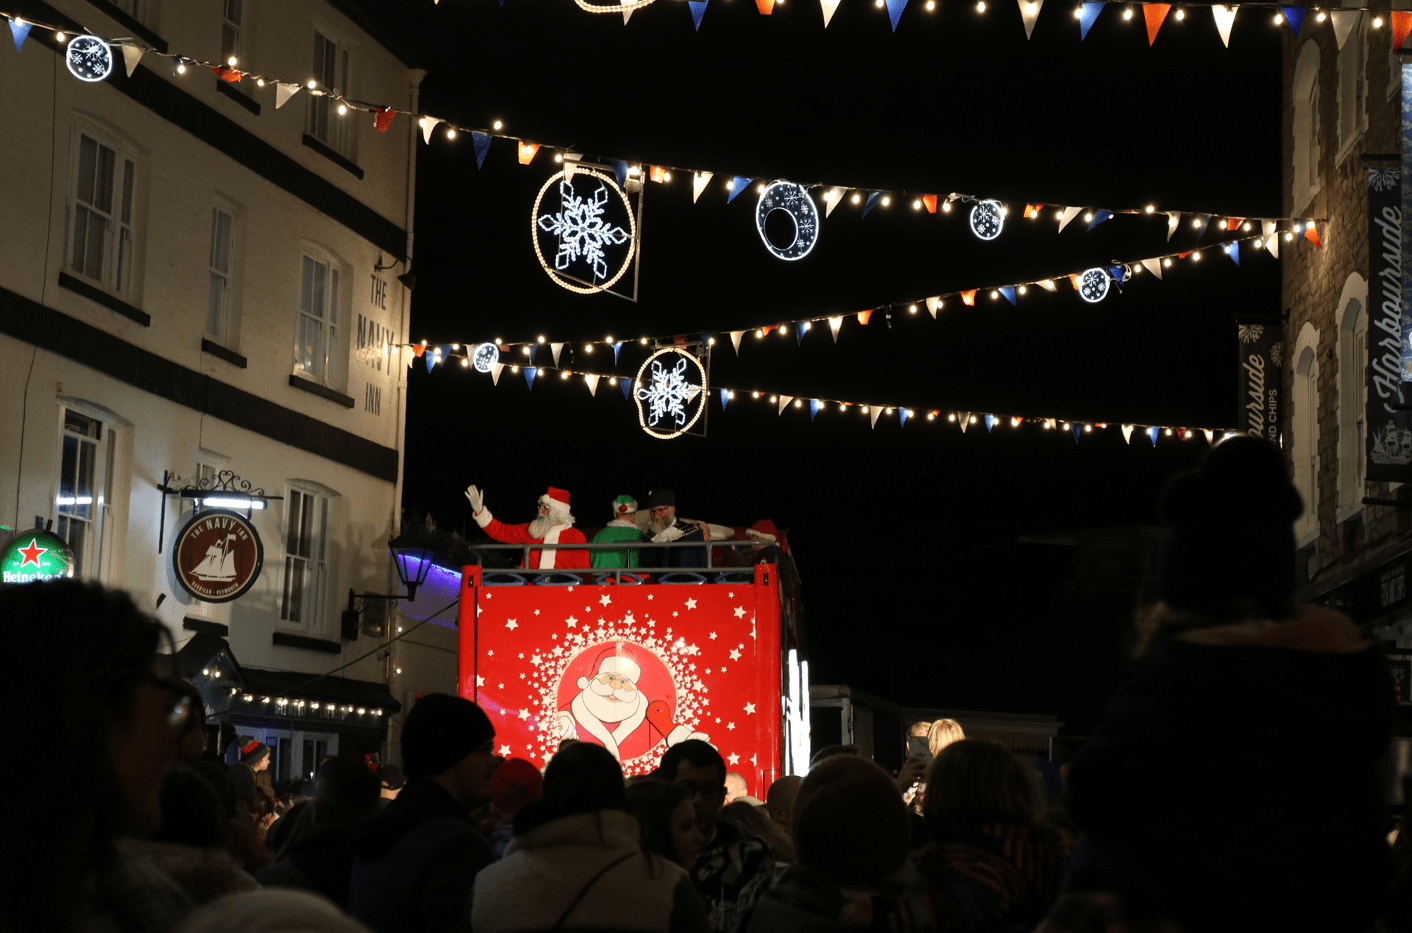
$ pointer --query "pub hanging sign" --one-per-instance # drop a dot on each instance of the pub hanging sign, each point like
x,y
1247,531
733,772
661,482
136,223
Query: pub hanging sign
x,y
218,555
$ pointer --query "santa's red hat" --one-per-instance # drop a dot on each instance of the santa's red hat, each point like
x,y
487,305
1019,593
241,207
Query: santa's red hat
x,y
618,660
559,495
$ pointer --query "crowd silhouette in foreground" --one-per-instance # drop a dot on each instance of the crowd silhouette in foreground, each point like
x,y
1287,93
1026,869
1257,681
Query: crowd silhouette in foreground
x,y
1232,786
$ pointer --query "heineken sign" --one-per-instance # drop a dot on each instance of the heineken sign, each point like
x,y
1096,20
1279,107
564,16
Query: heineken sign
x,y
218,555
36,556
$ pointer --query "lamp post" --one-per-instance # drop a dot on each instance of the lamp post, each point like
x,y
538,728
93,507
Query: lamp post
x,y
413,560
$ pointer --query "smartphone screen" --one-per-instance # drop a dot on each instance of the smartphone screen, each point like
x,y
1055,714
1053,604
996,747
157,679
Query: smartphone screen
x,y
917,748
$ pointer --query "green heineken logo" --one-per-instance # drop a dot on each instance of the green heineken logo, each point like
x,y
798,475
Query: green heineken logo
x,y
36,556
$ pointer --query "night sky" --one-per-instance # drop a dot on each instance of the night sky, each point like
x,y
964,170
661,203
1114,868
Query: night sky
x,y
916,584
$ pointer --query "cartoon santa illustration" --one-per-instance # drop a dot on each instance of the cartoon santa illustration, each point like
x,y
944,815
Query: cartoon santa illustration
x,y
609,707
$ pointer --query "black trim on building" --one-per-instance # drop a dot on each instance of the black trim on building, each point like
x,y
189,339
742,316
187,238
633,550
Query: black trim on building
x,y
223,134
310,644
204,626
139,31
98,296
97,349
299,382
348,165
220,352
225,90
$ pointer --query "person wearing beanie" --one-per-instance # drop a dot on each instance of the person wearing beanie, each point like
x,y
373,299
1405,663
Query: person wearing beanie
x,y
516,783
250,775
664,527
553,525
416,862
1233,783
621,528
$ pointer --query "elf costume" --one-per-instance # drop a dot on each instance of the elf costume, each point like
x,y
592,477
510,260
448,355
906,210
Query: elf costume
x,y
621,528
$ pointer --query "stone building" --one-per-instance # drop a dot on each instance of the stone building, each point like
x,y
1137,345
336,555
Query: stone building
x,y
1342,81
202,285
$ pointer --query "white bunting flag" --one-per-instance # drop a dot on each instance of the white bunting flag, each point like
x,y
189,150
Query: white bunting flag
x,y
1343,24
831,199
1210,436
1154,266
1127,433
132,54
828,7
571,160
627,14
735,340
698,184
784,403
1029,12
834,324
1048,285
556,347
1173,218
427,124
965,418
283,92
1051,422
1273,245
592,383
875,414
1069,214
1225,16
933,304
495,369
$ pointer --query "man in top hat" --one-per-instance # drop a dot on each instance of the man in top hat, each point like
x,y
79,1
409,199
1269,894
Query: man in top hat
x,y
664,527
554,525
623,527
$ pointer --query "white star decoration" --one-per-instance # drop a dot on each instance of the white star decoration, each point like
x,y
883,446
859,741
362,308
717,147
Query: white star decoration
x,y
735,655
604,600
713,636
735,759
505,749
691,604
480,681
749,708
536,612
739,612
524,714
571,621
754,762
730,725
511,624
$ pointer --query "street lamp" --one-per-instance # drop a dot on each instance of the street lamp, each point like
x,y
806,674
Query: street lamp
x,y
413,560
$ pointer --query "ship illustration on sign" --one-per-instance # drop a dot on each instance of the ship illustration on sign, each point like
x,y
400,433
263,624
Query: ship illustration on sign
x,y
1392,445
218,566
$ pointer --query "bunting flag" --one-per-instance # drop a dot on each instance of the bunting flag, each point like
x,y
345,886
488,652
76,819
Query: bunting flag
x,y
738,184
1152,435
965,420
834,324
382,119
1401,26
828,6
1154,266
735,340
799,328
865,316
831,199
1343,21
872,199
19,31
1029,12
698,184
932,305
592,380
1294,15
617,347
571,161
968,298
1088,15
625,382
555,348
1068,214
1127,433
627,14
766,7
1077,430
929,201
620,171
1008,291
698,10
428,124
1224,16
1154,13
1048,285
481,143
227,74
814,406
495,370
1098,217
1032,211
283,92
1202,220
657,173
527,151
903,413
894,11
533,349
1173,218
876,413
990,423
784,403
1232,250
530,373
1312,235
725,397
1210,436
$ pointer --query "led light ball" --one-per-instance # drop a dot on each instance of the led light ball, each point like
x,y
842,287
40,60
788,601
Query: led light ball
x,y
89,58
1093,285
484,357
987,219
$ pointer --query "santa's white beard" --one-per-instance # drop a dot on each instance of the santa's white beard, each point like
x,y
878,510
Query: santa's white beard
x,y
659,525
596,699
540,526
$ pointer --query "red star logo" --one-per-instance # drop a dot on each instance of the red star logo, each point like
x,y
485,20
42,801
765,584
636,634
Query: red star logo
x,y
32,553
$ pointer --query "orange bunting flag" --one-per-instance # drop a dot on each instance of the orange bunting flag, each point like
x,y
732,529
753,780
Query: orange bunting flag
x,y
1074,281
1234,222
1184,255
418,349
766,7
229,75
527,151
1154,13
864,315
1311,234
969,298
1032,211
382,119
1401,26
657,172
930,201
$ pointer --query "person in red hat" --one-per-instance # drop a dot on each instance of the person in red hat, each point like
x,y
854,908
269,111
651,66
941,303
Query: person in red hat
x,y
554,525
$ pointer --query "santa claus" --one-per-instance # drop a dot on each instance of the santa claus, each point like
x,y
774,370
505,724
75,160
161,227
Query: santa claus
x,y
554,525
609,707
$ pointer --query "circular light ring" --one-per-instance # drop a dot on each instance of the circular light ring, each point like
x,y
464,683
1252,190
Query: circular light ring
x,y
699,403
632,232
795,201
485,356
1093,285
601,8
89,58
987,220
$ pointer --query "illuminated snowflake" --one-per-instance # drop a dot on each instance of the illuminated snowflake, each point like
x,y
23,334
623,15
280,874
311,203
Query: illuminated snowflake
x,y
1384,179
668,394
1249,333
581,229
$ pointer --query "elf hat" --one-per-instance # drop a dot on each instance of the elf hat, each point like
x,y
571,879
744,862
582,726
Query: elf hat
x,y
624,505
251,749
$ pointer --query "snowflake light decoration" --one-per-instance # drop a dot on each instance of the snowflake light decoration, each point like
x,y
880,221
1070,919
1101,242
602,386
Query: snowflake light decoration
x,y
987,219
1093,285
583,233
89,58
484,357
1249,333
794,201
668,401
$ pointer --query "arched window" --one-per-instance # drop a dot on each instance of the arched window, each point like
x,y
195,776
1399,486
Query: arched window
x,y
1304,432
1305,148
1352,316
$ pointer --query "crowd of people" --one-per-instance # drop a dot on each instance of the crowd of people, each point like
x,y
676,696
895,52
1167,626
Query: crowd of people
x,y
1231,787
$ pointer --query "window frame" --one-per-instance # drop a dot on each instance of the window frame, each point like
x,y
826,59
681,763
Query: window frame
x,y
1352,396
1305,149
338,132
328,360
92,554
118,242
1352,89
312,619
1304,433
222,318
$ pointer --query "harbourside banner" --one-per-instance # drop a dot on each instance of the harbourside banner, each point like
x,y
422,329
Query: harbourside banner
x,y
1261,343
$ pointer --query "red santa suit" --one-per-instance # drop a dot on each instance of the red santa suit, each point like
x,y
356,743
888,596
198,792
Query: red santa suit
x,y
561,532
